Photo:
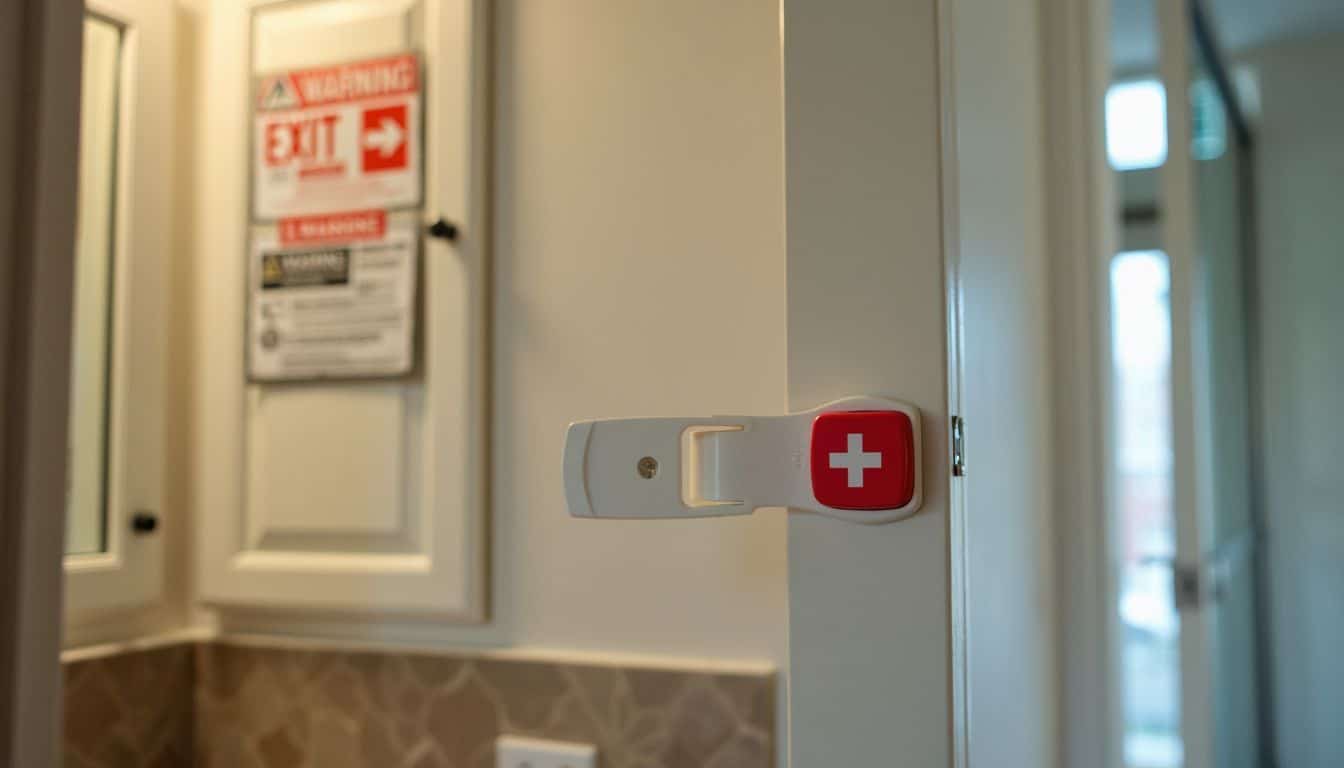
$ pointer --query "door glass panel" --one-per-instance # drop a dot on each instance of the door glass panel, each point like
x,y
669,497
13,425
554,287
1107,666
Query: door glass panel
x,y
1222,247
95,277
1220,251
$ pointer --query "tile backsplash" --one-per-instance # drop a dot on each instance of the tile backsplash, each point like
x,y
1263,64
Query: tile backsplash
x,y
223,705
131,709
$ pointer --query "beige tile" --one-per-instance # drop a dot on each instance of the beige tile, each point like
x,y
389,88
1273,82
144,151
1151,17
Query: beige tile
x,y
742,751
702,724
248,707
429,758
434,671
655,687
599,687
90,713
376,744
223,669
335,743
753,698
341,692
133,709
278,750
462,722
527,690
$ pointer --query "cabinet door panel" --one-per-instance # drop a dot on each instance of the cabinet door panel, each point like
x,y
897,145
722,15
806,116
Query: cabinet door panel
x,y
117,440
350,495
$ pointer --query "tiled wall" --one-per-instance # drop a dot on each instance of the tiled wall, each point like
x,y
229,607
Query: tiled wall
x,y
257,707
131,709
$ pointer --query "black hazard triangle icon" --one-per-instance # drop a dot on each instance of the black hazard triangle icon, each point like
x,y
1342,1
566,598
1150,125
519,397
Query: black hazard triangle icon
x,y
278,93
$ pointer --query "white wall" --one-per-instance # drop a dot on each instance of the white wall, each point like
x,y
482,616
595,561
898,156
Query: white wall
x,y
639,271
1299,166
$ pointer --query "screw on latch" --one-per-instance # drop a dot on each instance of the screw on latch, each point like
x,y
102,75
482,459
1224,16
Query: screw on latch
x,y
647,467
442,229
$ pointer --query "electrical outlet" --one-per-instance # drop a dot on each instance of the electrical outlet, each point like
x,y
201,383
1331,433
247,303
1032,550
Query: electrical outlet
x,y
522,752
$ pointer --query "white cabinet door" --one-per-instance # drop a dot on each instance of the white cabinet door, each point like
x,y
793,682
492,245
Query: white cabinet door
x,y
358,495
116,469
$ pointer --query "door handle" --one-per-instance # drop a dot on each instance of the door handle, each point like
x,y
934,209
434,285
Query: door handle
x,y
1197,585
856,459
144,522
442,229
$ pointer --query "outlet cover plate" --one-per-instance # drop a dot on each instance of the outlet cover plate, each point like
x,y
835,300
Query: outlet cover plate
x,y
523,752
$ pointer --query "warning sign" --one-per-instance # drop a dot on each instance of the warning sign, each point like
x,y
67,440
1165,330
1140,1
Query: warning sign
x,y
336,138
333,228
332,297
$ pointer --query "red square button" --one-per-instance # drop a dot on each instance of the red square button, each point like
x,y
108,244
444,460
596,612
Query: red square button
x,y
863,459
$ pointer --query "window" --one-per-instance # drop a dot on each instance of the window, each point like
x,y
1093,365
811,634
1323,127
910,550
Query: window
x,y
1145,524
1136,125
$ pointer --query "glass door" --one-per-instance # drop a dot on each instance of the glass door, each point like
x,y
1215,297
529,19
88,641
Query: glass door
x,y
1209,241
1182,325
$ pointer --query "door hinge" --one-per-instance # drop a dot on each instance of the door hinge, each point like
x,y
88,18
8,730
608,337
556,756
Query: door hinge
x,y
958,447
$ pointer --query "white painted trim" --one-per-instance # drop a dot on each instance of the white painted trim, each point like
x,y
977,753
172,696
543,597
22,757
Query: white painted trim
x,y
1081,232
958,524
1002,379
125,626
39,124
708,665
714,665
147,642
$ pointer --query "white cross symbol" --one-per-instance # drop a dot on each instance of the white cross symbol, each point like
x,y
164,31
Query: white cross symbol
x,y
855,459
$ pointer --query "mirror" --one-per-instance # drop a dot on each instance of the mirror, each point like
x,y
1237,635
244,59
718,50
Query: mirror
x,y
94,290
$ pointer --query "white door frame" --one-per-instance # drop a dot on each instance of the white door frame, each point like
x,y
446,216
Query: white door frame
x,y
900,200
1081,236
871,617
39,131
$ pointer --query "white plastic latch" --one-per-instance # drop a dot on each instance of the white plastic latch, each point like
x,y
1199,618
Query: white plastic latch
x,y
857,459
